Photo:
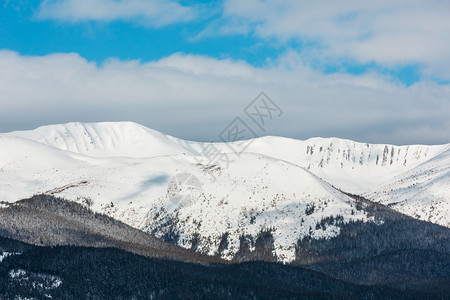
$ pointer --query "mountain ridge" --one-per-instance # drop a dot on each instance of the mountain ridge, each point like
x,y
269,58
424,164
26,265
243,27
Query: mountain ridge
x,y
125,170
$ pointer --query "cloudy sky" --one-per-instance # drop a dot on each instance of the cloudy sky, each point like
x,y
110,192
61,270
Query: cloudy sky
x,y
371,71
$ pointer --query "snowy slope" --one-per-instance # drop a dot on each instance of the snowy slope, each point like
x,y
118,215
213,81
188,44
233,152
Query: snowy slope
x,y
242,200
387,174
423,192
25,165
125,169
254,193
351,166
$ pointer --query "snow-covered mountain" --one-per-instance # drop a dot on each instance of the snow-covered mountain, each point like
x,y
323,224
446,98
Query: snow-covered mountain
x,y
414,179
287,186
422,192
108,139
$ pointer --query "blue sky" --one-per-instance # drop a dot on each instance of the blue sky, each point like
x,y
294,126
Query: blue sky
x,y
24,31
322,60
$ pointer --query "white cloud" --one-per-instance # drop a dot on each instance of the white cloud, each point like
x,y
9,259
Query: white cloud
x,y
196,97
150,13
390,33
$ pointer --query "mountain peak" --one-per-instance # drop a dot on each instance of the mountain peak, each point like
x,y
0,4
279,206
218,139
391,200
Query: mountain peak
x,y
105,139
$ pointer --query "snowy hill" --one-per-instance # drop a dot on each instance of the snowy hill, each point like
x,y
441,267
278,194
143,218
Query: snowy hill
x,y
107,139
351,166
422,192
280,185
